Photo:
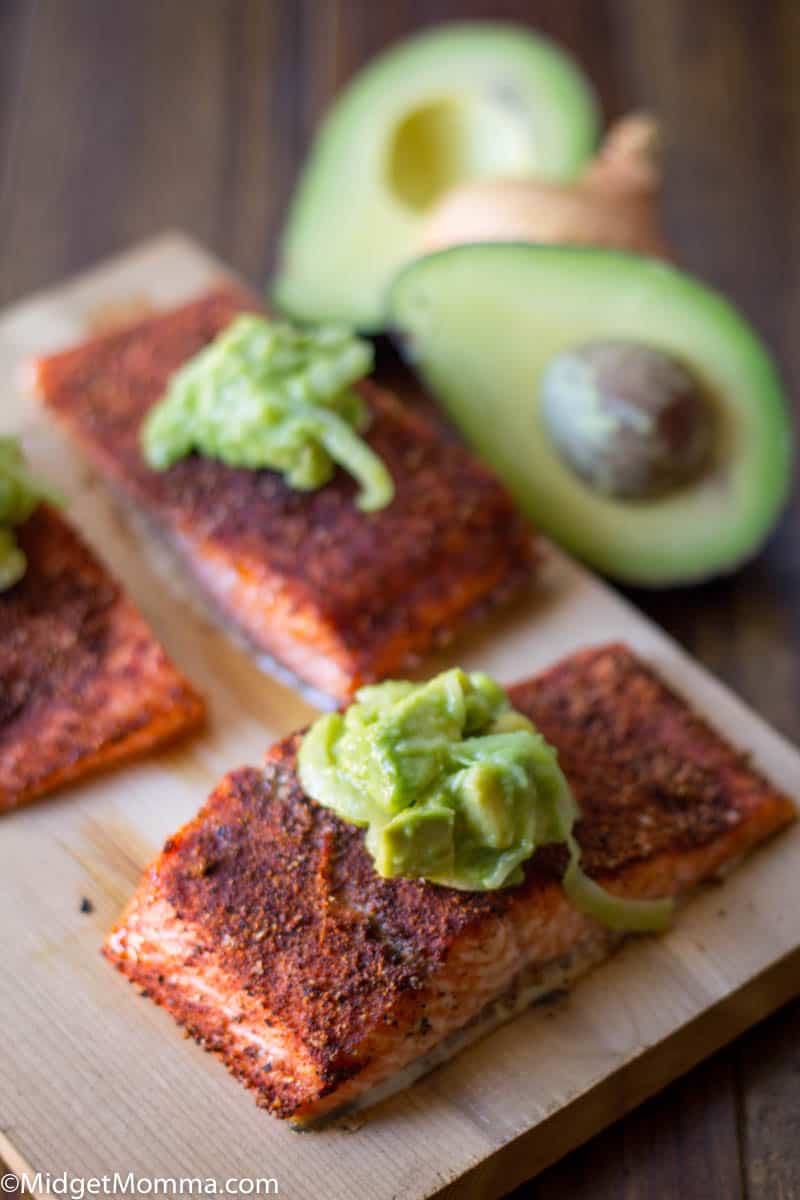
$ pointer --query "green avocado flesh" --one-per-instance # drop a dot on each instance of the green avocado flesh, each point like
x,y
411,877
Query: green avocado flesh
x,y
453,786
19,496
481,325
459,102
267,395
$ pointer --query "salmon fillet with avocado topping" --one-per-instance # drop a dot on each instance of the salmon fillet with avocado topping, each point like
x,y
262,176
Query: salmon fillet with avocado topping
x,y
337,596
83,683
265,930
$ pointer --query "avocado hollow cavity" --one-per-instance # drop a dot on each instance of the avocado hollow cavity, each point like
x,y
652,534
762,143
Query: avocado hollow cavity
x,y
453,785
444,141
630,420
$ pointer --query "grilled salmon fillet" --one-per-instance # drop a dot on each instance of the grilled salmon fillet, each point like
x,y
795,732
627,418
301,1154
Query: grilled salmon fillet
x,y
83,682
337,596
266,932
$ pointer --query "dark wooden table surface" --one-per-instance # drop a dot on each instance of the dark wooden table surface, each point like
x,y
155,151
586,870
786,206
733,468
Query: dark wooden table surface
x,y
120,118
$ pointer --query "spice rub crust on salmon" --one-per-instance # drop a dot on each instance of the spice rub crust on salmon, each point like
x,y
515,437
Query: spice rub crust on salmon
x,y
83,682
337,596
264,929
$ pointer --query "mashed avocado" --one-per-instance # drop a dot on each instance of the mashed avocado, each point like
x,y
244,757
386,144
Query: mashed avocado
x,y
19,496
454,786
264,394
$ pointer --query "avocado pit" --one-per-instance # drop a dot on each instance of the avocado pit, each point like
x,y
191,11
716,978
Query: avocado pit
x,y
630,420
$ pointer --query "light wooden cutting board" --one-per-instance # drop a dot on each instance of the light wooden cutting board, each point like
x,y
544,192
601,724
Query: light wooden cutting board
x,y
95,1079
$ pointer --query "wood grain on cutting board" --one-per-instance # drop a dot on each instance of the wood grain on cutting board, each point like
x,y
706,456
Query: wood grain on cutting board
x,y
95,1079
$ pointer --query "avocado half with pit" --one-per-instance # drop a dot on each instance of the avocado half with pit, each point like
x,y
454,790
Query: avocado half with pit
x,y
633,413
458,102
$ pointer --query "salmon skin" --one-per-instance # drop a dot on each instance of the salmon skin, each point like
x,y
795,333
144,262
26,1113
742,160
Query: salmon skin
x,y
83,682
338,597
265,930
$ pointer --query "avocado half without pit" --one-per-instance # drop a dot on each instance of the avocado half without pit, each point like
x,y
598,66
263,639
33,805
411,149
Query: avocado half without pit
x,y
634,414
465,101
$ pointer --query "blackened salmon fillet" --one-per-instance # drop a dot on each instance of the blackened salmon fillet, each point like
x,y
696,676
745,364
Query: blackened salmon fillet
x,y
337,596
264,929
83,682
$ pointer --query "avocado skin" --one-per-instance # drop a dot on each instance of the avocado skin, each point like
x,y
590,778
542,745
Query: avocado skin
x,y
480,323
345,234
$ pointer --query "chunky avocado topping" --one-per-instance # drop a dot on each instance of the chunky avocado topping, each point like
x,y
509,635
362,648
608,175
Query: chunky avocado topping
x,y
264,394
454,786
19,496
